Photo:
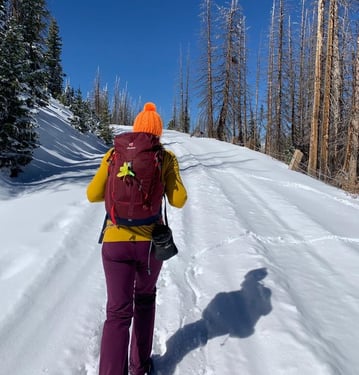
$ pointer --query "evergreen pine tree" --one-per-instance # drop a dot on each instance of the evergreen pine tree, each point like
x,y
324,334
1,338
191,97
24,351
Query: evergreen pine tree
x,y
67,96
77,108
84,118
32,15
171,125
2,18
2,55
90,117
17,127
104,130
53,60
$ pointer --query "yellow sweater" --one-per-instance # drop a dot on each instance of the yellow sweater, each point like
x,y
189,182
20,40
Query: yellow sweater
x,y
174,190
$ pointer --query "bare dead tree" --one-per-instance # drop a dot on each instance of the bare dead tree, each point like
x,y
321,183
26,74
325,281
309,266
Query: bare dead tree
x,y
186,116
206,80
243,78
181,93
269,130
351,157
313,146
181,121
279,83
297,130
96,102
256,110
230,58
238,85
324,149
337,88
292,82
115,117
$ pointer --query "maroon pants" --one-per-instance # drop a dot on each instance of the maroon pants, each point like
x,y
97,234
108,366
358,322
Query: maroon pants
x,y
131,274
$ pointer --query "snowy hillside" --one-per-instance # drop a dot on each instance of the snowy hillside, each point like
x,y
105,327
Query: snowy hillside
x,y
63,149
265,283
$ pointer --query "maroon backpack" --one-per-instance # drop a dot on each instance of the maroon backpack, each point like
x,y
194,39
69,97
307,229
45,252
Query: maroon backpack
x,y
134,187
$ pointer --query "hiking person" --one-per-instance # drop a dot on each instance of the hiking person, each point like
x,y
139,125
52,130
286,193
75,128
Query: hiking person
x,y
131,268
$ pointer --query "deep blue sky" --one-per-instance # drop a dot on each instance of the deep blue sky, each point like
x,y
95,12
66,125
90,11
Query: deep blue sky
x,y
139,42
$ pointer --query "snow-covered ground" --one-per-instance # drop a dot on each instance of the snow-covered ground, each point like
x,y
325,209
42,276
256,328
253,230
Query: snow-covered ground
x,y
266,281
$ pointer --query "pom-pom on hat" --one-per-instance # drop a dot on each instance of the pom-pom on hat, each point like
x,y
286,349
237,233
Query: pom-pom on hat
x,y
148,121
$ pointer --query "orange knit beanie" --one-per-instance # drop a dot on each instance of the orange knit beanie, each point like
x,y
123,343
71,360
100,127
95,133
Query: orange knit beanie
x,y
148,121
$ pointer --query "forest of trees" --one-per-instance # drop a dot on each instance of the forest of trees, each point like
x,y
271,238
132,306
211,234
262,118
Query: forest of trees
x,y
22,80
310,97
30,74
305,94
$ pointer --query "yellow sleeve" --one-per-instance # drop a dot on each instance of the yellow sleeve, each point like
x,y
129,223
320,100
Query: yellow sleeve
x,y
174,188
96,188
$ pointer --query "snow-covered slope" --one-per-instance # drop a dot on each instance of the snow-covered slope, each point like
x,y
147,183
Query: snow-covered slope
x,y
265,282
63,149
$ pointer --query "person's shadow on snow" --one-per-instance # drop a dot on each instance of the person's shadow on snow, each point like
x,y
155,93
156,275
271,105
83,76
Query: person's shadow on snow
x,y
233,313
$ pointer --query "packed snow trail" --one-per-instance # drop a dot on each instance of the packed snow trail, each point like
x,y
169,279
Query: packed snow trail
x,y
60,287
265,281
266,218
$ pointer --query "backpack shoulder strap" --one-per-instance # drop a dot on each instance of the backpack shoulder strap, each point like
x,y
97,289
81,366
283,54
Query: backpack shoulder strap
x,y
110,157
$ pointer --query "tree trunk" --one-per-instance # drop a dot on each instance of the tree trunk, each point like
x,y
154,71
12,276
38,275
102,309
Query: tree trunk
x,y
229,53
337,87
269,141
324,149
298,136
351,158
292,88
313,146
209,83
279,98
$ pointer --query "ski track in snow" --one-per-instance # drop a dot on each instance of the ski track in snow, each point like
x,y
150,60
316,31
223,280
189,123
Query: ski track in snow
x,y
279,216
250,223
255,229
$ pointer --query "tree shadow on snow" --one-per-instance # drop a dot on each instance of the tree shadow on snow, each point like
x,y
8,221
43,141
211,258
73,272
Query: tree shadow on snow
x,y
233,313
